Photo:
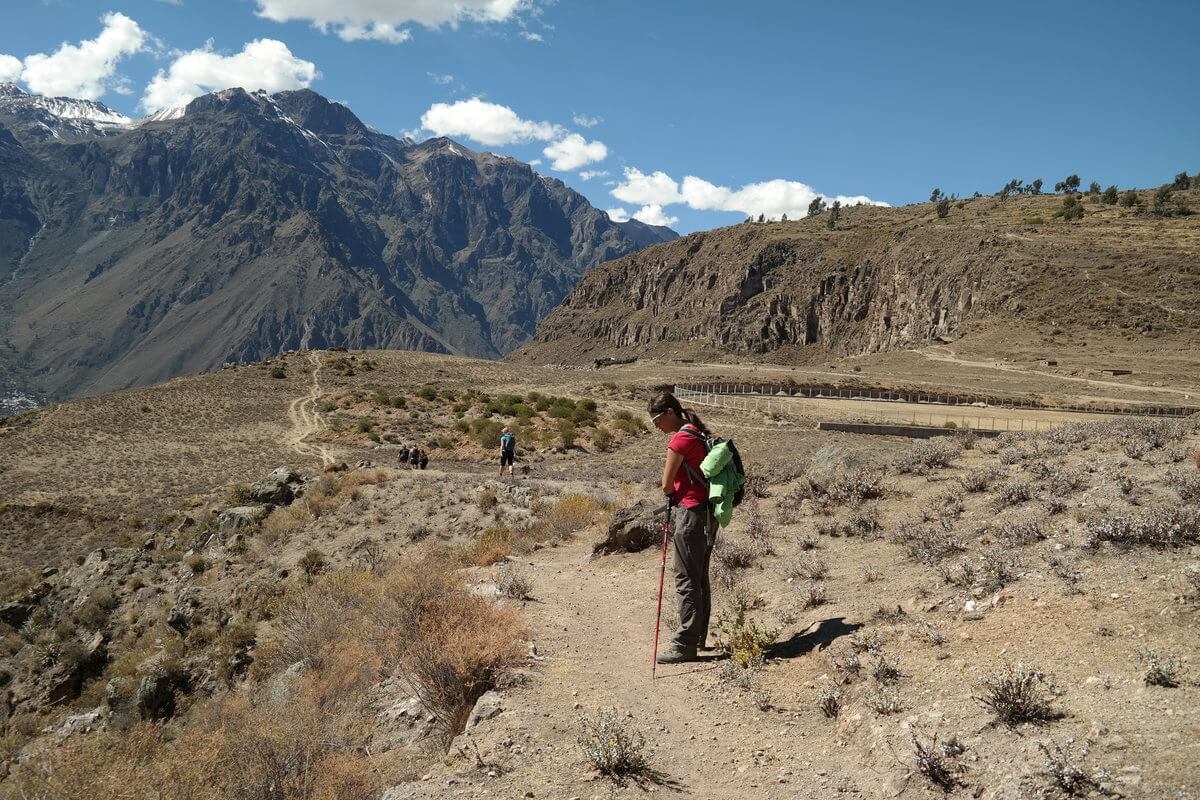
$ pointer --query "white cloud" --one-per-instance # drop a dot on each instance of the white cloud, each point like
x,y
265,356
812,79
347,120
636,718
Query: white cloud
x,y
531,37
618,214
440,80
10,69
573,151
263,64
584,121
380,20
658,188
653,215
374,32
772,198
588,174
487,123
537,162
87,70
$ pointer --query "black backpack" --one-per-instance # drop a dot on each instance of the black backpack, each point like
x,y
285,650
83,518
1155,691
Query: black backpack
x,y
709,443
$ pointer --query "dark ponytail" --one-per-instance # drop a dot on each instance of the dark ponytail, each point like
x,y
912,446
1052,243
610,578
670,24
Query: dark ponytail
x,y
668,402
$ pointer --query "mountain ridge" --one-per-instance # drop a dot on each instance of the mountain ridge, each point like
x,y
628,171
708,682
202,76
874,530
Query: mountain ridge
x,y
256,223
890,279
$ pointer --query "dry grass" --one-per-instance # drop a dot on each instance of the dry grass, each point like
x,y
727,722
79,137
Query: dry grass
x,y
572,513
303,736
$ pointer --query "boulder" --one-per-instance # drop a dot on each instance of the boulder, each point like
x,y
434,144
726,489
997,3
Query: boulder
x,y
95,720
155,698
240,518
276,489
633,529
487,706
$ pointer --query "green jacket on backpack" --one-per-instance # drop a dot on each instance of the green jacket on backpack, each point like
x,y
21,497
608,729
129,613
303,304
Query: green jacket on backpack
x,y
723,482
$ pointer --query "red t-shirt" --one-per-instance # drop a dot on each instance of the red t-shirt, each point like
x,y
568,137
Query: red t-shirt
x,y
688,493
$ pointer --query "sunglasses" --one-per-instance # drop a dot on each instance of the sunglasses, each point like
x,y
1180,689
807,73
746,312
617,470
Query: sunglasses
x,y
654,420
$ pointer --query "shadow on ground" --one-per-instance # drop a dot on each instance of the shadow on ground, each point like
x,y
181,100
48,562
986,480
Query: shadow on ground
x,y
826,633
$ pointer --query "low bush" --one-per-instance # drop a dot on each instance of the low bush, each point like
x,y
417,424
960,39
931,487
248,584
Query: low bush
x,y
1014,493
829,700
1185,483
808,566
612,746
927,543
1160,669
863,521
1022,530
978,480
1060,766
1018,693
513,582
742,639
733,554
926,456
572,513
1159,527
935,763
815,594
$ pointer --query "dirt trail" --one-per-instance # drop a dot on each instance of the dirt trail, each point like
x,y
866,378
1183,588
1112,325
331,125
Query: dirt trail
x,y
939,354
593,624
306,420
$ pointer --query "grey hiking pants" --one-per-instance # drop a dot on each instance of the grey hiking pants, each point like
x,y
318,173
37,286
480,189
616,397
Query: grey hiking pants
x,y
694,536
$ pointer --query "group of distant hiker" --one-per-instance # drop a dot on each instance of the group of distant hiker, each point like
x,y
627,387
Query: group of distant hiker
x,y
414,457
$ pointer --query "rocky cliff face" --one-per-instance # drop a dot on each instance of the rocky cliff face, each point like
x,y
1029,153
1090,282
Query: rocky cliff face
x,y
885,279
133,252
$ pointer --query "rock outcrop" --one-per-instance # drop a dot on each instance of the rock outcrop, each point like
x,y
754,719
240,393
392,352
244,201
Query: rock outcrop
x,y
885,279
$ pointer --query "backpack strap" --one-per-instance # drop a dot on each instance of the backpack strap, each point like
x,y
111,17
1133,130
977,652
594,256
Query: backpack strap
x,y
693,473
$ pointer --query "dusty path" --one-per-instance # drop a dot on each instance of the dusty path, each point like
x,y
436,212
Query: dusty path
x,y
939,354
306,420
593,625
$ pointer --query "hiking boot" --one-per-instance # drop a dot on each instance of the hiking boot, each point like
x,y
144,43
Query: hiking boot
x,y
676,656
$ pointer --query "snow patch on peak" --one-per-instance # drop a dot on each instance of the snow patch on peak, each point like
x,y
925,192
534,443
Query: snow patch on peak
x,y
167,114
68,110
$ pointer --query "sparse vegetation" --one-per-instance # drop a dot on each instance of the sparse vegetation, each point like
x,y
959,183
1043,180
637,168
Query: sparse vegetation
x,y
935,763
1018,693
829,700
742,639
1161,669
612,745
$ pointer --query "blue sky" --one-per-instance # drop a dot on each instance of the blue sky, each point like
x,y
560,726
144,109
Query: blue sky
x,y
738,107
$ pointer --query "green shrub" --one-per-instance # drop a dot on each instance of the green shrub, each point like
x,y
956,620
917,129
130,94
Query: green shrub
x,y
603,439
427,393
399,402
1110,196
1071,209
1130,199
744,641
487,434
628,425
278,371
364,425
566,433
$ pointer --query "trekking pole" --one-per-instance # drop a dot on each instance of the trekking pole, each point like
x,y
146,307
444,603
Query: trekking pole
x,y
662,576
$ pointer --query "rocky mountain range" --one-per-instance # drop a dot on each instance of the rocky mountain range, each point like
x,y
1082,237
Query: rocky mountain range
x,y
248,224
891,279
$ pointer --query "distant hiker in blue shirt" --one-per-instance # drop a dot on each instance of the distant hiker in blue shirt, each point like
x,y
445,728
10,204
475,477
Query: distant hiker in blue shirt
x,y
508,450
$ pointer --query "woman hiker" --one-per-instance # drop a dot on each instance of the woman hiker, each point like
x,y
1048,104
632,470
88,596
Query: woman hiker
x,y
695,528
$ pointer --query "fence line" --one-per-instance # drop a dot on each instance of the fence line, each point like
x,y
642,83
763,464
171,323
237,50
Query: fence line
x,y
922,397
767,404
